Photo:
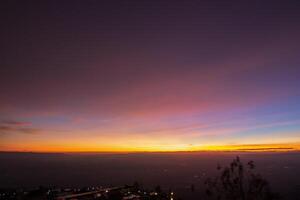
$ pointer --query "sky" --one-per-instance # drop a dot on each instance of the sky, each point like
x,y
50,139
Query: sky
x,y
142,75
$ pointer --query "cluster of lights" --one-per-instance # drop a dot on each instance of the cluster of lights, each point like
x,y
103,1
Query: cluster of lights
x,y
172,193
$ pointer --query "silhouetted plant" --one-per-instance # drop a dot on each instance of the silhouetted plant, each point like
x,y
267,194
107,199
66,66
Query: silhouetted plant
x,y
192,188
158,189
239,182
136,186
115,195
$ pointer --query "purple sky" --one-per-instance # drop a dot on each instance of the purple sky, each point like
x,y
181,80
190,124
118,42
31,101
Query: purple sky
x,y
148,75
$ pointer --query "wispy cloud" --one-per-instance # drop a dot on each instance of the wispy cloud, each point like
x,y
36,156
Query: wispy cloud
x,y
16,123
12,126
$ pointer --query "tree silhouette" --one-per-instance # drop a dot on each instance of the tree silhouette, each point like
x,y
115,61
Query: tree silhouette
x,y
192,188
239,182
158,189
115,195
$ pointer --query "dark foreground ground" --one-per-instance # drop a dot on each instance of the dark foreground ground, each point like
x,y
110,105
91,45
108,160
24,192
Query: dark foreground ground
x,y
175,171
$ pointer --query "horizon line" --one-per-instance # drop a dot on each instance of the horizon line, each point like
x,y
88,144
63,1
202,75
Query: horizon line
x,y
279,147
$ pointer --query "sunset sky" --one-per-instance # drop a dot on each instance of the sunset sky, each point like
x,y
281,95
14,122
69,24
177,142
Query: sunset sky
x,y
149,75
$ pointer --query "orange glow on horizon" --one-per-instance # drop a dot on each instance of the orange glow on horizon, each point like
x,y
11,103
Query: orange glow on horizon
x,y
205,148
253,148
